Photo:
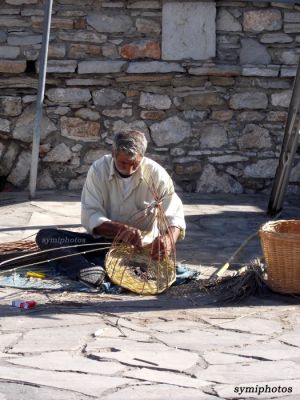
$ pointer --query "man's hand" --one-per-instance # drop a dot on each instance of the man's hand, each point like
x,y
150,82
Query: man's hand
x,y
120,232
163,245
131,236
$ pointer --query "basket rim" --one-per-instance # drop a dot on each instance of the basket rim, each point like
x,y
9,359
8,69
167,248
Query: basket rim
x,y
268,227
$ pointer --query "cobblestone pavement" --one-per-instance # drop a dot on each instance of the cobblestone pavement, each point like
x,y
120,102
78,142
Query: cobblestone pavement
x,y
125,347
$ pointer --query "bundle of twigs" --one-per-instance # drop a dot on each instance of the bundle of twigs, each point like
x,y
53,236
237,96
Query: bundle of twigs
x,y
18,245
247,281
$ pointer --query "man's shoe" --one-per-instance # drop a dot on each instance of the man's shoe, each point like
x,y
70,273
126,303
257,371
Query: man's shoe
x,y
92,275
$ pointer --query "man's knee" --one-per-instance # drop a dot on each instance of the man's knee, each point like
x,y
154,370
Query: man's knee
x,y
45,238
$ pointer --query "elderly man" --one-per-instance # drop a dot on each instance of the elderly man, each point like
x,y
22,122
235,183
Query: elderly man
x,y
117,201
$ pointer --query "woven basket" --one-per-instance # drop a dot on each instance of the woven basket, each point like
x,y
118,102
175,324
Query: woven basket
x,y
122,261
280,241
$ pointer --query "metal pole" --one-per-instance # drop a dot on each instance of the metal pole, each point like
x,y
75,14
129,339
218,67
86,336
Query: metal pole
x,y
40,98
288,150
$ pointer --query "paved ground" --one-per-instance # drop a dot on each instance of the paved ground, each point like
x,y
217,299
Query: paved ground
x,y
89,346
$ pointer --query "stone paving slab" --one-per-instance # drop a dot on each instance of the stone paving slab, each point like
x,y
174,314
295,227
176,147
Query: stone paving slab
x,y
80,346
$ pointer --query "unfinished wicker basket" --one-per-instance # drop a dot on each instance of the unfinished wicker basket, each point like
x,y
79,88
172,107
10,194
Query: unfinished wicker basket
x,y
280,241
137,272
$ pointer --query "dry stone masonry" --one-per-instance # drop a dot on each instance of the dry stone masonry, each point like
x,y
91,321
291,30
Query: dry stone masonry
x,y
208,82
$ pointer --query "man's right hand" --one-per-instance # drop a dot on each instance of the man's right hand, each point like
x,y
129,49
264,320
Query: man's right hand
x,y
120,232
131,236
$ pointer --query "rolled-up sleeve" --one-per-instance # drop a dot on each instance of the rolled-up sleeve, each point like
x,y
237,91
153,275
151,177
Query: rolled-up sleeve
x,y
92,202
172,204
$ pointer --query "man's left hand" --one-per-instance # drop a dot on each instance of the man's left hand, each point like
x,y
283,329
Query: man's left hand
x,y
163,245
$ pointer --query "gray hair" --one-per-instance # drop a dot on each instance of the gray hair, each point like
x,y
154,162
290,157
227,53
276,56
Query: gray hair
x,y
131,142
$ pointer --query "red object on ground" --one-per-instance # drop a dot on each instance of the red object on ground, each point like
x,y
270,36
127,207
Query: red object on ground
x,y
24,305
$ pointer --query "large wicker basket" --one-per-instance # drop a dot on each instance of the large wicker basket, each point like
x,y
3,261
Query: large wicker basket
x,y
122,263
280,241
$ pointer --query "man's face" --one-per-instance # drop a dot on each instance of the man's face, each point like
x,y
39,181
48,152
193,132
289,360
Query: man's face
x,y
126,164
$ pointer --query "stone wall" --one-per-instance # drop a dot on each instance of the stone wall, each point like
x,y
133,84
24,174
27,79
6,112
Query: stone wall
x,y
216,124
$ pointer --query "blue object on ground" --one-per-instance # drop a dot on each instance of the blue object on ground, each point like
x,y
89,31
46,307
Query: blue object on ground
x,y
56,281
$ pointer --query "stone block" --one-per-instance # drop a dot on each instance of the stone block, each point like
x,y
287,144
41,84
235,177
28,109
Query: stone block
x,y
56,50
4,125
250,116
56,23
45,180
110,51
141,49
155,101
153,67
24,126
107,97
213,137
195,115
20,2
139,125
277,116
170,131
59,66
188,168
82,36
287,72
10,106
110,23
276,38
13,22
291,16
120,113
3,36
20,172
250,100
222,115
153,115
216,70
12,67
100,67
281,99
69,95
227,22
256,71
147,26
24,40
189,30
253,52
78,129
291,28
93,155
87,113
254,137
60,153
228,158
146,4
79,50
88,82
9,158
211,182
2,148
202,100
262,169
262,20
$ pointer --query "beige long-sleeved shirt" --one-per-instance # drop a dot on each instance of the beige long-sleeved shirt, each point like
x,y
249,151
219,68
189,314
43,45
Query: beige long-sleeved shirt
x,y
106,198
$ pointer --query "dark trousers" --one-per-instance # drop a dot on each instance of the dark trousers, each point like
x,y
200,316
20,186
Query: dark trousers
x,y
71,266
